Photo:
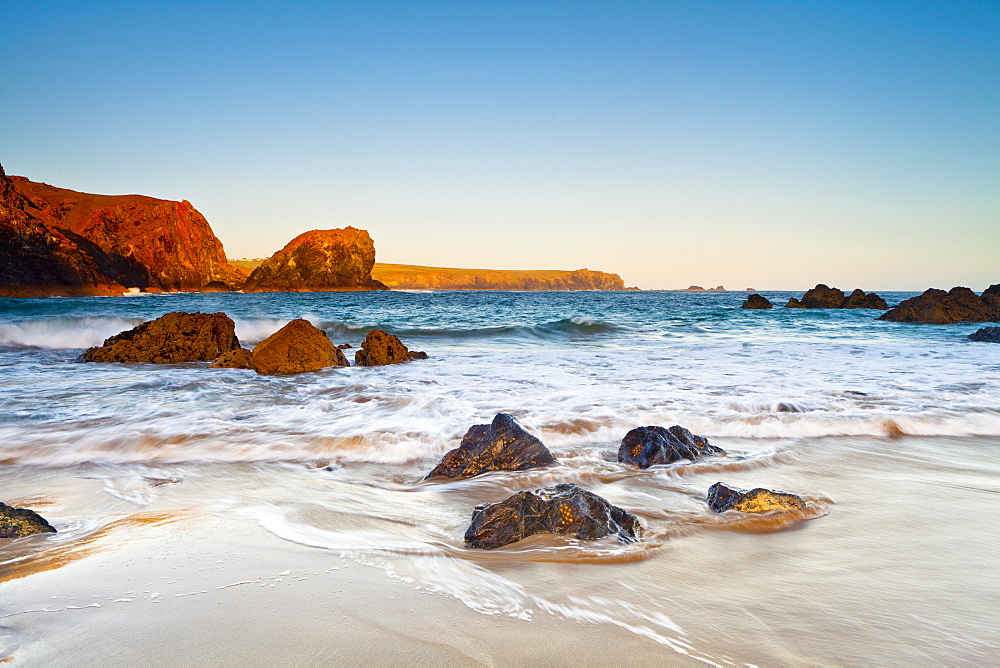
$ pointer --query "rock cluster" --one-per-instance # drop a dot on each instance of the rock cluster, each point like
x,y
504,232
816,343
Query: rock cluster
x,y
563,509
502,445
170,339
21,522
986,334
722,497
649,446
319,260
942,308
296,348
823,296
380,348
757,301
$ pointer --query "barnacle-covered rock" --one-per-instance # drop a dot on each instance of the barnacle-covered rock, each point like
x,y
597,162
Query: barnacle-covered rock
x,y
648,446
502,445
722,497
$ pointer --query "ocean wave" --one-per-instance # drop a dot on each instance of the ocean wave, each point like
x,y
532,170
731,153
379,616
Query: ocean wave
x,y
64,333
563,328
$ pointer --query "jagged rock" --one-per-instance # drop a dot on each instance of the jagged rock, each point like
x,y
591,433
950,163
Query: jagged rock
x,y
823,296
233,359
295,348
380,348
138,241
502,445
987,334
21,522
942,308
170,339
649,446
563,509
860,299
319,260
722,497
757,302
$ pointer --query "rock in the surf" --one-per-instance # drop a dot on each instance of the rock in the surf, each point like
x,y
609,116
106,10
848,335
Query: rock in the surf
x,y
563,509
757,301
233,359
21,522
380,348
986,334
502,445
296,348
170,339
722,497
217,286
794,303
861,299
943,308
649,446
823,296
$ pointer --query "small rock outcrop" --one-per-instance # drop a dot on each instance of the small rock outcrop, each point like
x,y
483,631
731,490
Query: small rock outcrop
x,y
757,301
217,286
649,446
233,359
823,296
21,522
722,497
296,348
319,260
170,339
563,509
944,308
502,445
986,334
380,348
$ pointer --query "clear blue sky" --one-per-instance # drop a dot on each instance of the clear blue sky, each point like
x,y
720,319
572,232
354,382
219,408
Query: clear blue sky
x,y
764,144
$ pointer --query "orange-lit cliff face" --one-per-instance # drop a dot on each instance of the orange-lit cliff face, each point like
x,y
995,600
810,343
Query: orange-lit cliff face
x,y
146,242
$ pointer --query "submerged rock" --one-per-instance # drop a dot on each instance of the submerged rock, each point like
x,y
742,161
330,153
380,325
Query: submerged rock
x,y
943,308
722,497
563,509
986,334
380,348
502,445
20,522
170,339
296,348
757,302
233,359
648,446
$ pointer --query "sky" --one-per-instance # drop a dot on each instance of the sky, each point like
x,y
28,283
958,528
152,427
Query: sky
x,y
761,144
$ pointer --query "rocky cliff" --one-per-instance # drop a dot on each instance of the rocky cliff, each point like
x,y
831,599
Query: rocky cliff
x,y
319,260
144,242
39,261
412,277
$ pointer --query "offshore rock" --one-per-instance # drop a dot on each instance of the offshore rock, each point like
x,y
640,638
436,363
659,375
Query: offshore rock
x,y
380,348
986,334
217,286
319,260
170,339
502,445
563,509
943,308
233,359
649,446
39,261
137,241
21,522
296,348
757,302
823,296
722,497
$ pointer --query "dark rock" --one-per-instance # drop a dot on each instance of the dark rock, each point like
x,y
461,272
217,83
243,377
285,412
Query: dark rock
x,y
296,348
380,348
794,303
942,308
417,355
319,260
987,334
649,446
757,302
170,339
823,296
233,359
563,509
860,299
217,286
344,346
502,445
20,522
721,498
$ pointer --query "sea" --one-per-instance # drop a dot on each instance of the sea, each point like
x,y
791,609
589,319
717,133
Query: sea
x,y
889,431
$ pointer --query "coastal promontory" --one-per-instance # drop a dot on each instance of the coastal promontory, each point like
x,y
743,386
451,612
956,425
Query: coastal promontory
x,y
415,277
319,260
